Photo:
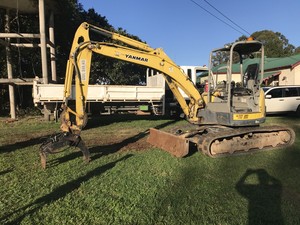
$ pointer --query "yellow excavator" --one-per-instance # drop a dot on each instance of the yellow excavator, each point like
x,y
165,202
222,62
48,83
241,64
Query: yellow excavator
x,y
225,117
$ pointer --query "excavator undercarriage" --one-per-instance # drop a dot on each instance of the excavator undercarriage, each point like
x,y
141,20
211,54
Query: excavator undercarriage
x,y
216,141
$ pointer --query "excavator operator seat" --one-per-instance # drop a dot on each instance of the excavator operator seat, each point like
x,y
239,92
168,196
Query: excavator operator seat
x,y
250,74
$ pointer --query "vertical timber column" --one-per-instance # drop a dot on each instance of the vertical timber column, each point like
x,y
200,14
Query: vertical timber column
x,y
43,40
43,50
9,69
52,47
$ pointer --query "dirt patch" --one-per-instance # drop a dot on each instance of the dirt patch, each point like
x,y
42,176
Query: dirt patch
x,y
139,145
120,142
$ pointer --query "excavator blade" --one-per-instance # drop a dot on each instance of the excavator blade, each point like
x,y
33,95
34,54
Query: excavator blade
x,y
175,145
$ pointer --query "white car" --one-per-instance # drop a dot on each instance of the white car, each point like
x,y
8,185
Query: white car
x,y
282,99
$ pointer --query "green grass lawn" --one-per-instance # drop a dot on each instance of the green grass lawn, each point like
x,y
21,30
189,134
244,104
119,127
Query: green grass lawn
x,y
130,182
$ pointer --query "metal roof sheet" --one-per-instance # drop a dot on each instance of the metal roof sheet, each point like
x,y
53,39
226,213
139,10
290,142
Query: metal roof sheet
x,y
270,63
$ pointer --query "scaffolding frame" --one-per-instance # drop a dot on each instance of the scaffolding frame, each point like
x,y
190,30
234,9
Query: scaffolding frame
x,y
11,80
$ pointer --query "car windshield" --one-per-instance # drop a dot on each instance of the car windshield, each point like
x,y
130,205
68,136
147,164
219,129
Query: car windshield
x,y
265,88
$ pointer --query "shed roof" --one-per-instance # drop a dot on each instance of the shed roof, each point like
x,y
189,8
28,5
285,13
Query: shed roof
x,y
270,63
285,62
272,66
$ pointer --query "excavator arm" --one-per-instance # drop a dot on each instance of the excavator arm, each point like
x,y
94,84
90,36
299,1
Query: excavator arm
x,y
133,51
78,69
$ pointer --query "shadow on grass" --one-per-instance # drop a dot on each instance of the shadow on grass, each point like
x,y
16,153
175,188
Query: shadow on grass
x,y
59,192
109,149
264,197
286,116
5,172
104,150
92,123
104,120
22,144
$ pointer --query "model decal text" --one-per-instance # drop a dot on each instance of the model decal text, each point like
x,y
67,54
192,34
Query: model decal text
x,y
136,58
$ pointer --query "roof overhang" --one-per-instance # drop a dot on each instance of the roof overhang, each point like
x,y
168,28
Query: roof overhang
x,y
268,75
26,6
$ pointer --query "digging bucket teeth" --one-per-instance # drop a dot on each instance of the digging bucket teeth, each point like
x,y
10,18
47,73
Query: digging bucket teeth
x,y
175,145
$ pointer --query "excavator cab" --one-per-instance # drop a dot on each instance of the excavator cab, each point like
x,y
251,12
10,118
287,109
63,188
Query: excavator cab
x,y
234,96
233,110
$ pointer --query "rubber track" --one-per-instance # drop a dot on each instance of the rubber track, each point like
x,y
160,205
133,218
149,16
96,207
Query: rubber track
x,y
228,134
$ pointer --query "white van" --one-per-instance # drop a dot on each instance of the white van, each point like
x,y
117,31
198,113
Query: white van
x,y
282,99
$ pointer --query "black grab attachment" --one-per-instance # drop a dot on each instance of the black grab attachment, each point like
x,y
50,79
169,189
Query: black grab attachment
x,y
55,142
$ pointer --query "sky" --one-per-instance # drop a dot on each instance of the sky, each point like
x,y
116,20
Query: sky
x,y
187,32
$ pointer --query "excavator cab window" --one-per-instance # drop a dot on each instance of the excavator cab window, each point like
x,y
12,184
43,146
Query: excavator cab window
x,y
252,71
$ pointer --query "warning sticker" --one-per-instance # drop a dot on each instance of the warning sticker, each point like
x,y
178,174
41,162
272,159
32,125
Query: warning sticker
x,y
83,69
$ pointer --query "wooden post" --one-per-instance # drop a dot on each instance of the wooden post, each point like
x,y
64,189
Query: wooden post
x,y
52,47
43,40
9,69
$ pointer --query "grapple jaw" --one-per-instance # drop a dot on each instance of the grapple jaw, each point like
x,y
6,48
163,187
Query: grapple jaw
x,y
55,142
175,145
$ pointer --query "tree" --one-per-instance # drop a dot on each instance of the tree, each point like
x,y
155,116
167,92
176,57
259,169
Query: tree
x,y
103,70
222,57
276,44
69,14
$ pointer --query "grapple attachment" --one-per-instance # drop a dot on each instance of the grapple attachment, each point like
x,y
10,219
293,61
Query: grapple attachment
x,y
56,142
175,145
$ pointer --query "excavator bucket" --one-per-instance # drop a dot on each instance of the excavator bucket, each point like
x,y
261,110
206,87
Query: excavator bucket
x,y
175,145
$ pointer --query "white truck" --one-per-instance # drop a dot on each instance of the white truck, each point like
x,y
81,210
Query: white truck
x,y
154,97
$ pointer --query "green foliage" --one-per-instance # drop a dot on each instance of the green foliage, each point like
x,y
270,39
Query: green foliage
x,y
276,44
4,101
116,72
219,58
124,184
69,14
26,61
